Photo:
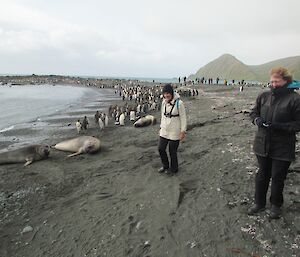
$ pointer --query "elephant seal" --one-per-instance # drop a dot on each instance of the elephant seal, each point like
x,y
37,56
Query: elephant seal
x,y
145,121
79,145
27,154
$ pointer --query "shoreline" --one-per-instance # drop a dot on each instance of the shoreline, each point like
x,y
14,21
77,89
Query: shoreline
x,y
23,133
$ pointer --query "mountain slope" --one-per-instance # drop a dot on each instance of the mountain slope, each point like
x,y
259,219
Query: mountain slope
x,y
291,63
228,67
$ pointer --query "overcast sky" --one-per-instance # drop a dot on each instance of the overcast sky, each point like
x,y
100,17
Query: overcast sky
x,y
142,38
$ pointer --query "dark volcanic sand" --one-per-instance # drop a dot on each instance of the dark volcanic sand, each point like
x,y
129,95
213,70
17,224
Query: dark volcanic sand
x,y
114,203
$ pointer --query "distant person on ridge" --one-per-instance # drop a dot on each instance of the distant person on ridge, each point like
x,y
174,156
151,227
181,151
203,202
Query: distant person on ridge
x,y
172,129
277,116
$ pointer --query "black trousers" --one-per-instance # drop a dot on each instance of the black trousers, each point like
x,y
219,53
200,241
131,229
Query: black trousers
x,y
270,168
173,146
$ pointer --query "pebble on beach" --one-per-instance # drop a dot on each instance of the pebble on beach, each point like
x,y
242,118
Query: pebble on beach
x,y
27,229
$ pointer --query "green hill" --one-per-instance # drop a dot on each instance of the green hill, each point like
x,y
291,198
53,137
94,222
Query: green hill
x,y
228,67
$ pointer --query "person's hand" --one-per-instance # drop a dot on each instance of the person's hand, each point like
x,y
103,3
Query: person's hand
x,y
258,122
182,136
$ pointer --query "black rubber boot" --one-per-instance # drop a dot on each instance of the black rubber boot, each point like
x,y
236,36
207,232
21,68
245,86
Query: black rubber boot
x,y
169,173
256,209
275,212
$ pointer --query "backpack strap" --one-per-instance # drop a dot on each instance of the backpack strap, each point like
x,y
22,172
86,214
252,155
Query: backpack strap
x,y
177,104
170,115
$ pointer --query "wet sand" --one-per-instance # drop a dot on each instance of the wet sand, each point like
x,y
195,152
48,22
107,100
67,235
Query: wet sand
x,y
114,203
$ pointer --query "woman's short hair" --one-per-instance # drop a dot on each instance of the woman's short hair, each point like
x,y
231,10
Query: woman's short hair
x,y
283,73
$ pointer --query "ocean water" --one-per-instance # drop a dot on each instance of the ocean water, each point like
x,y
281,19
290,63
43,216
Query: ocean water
x,y
22,104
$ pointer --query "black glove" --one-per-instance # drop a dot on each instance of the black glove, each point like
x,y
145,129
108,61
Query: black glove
x,y
258,122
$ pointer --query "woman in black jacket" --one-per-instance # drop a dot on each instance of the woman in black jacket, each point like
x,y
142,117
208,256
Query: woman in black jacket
x,y
277,116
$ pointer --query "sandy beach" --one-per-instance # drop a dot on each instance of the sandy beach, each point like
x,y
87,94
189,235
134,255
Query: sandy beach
x,y
114,203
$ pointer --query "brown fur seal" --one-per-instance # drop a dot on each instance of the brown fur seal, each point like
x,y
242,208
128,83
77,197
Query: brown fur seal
x,y
145,121
79,145
27,154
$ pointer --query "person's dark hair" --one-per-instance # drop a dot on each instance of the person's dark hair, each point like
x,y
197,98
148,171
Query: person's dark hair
x,y
168,89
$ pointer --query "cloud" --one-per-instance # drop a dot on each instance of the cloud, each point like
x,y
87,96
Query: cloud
x,y
161,38
194,19
34,30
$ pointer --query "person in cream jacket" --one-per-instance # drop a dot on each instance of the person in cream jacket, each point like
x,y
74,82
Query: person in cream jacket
x,y
172,129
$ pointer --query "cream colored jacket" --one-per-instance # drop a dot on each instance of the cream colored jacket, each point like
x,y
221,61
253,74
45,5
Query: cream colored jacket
x,y
170,128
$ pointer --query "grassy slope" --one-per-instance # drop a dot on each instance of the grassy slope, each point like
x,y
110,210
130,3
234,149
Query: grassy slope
x,y
228,67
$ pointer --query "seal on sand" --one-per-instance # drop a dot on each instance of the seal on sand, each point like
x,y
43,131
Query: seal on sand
x,y
27,154
79,145
145,121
